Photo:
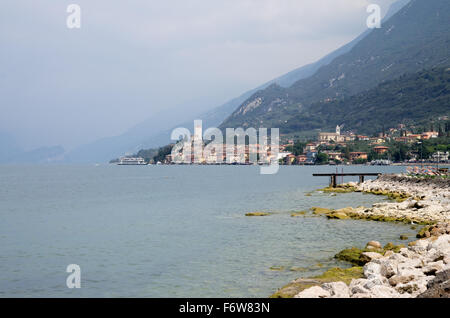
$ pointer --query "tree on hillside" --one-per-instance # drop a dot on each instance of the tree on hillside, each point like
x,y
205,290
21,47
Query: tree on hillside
x,y
322,158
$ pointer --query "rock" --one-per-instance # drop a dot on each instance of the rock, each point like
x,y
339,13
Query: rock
x,y
372,269
439,286
313,292
337,215
388,267
317,210
337,289
440,277
441,243
441,290
434,255
380,291
374,280
357,286
361,295
369,256
352,255
373,245
257,214
397,279
432,268
414,287
403,237
447,260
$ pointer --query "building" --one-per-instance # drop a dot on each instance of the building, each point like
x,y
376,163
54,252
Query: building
x,y
440,156
430,134
290,159
302,159
311,156
326,137
358,155
381,149
363,138
334,155
310,147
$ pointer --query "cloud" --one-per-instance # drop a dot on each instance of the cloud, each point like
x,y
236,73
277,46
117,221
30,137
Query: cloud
x,y
134,58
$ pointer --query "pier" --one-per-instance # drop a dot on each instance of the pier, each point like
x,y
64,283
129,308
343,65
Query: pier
x,y
333,176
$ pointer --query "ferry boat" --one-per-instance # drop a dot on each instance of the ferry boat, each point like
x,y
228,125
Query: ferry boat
x,y
129,161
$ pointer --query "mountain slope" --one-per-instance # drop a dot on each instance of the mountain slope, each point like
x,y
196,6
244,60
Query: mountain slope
x,y
412,98
416,38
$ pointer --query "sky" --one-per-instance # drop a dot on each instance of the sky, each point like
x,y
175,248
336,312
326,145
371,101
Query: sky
x,y
134,59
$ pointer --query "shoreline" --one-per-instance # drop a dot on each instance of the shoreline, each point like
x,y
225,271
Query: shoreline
x,y
422,269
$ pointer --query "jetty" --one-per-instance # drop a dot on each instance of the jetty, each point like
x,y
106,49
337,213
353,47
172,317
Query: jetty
x,y
333,176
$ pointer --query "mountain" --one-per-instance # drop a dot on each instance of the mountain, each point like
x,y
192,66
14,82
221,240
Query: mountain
x,y
412,98
151,134
8,147
415,38
12,153
39,155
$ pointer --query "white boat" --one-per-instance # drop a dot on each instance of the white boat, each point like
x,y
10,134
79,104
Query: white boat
x,y
130,161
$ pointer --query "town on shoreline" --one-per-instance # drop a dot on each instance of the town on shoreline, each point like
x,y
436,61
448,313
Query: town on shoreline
x,y
400,145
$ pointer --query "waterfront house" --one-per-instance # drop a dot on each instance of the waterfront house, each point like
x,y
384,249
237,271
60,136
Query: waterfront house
x,y
381,149
358,155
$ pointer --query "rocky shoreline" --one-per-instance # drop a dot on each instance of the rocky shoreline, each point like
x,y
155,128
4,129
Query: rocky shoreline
x,y
422,269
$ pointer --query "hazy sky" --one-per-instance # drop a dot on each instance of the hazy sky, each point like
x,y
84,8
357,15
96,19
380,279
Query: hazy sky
x,y
132,59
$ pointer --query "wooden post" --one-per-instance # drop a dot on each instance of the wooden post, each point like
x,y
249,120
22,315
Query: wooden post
x,y
361,178
333,181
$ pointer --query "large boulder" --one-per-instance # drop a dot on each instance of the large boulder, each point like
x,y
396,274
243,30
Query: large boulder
x,y
369,256
374,245
337,289
381,291
439,286
372,269
313,292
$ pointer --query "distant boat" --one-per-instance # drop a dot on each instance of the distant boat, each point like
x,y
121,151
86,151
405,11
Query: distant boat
x,y
129,161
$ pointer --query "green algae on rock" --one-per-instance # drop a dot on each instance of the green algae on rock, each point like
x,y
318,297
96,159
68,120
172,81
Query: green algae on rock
x,y
338,189
332,275
257,214
277,268
317,210
355,255
300,213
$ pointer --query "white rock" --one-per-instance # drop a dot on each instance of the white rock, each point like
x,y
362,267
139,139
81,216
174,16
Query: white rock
x,y
337,289
441,243
372,268
370,256
357,286
380,291
313,292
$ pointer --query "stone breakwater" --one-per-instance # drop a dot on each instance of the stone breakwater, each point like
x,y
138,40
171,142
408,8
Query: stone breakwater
x,y
418,199
420,270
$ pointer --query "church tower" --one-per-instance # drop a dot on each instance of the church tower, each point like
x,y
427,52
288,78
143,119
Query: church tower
x,y
338,130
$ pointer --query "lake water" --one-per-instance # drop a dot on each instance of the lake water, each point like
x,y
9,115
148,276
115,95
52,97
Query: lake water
x,y
171,231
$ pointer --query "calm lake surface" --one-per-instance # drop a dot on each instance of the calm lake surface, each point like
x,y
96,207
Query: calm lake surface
x,y
171,231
